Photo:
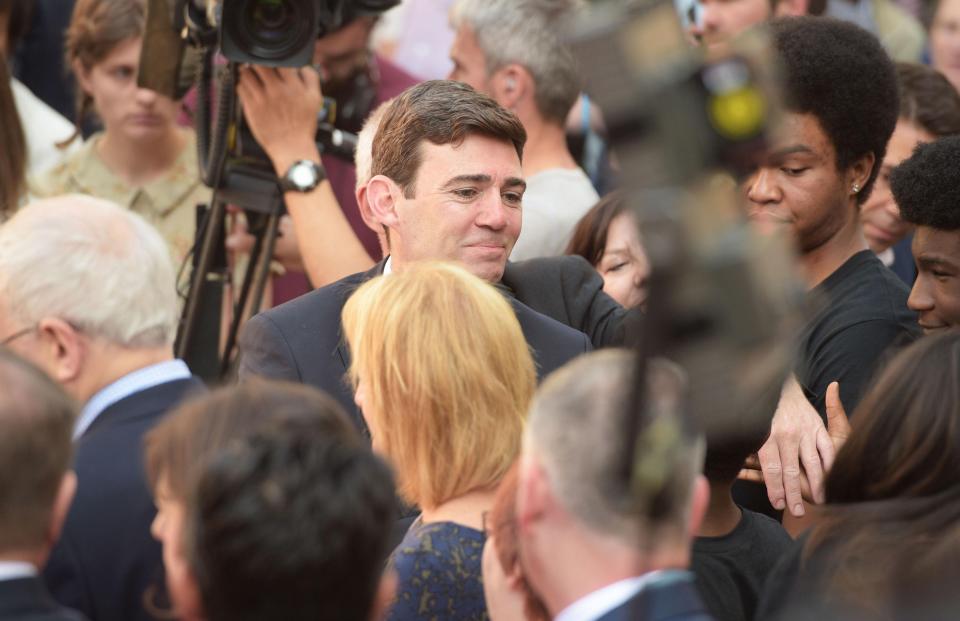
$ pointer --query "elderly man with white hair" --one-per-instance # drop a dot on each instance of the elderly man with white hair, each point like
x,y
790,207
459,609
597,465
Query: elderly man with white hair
x,y
87,293
592,548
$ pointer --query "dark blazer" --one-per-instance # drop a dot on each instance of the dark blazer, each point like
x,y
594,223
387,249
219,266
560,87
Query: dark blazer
x,y
106,558
26,599
569,290
673,601
301,341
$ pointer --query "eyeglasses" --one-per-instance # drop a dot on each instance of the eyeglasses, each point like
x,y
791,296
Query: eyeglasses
x,y
17,335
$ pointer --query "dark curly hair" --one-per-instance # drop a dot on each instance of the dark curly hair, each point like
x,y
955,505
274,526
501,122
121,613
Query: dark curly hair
x,y
926,186
839,73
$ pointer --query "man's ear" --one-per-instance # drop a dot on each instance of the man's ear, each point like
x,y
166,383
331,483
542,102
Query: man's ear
x,y
382,198
533,494
511,85
61,506
859,173
64,349
386,593
699,501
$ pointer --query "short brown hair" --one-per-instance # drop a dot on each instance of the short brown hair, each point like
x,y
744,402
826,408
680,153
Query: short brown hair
x,y
96,28
928,99
36,425
179,448
442,112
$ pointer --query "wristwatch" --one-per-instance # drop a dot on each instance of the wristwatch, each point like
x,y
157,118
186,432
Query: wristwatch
x,y
302,176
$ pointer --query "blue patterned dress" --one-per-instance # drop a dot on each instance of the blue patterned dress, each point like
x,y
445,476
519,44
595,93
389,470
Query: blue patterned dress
x,y
438,571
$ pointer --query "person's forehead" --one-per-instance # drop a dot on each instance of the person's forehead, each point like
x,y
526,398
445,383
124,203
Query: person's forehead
x,y
475,155
800,130
937,243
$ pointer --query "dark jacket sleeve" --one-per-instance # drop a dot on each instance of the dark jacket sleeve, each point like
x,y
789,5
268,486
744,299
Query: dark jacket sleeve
x,y
569,290
265,352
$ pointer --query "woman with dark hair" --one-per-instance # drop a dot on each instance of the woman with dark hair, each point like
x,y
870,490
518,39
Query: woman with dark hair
x,y
929,109
887,544
608,237
13,165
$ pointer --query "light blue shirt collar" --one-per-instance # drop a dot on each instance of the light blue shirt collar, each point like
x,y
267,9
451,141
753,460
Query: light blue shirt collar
x,y
141,379
612,596
14,570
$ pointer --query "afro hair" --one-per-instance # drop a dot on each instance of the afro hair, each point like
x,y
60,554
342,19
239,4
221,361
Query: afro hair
x,y
926,187
839,73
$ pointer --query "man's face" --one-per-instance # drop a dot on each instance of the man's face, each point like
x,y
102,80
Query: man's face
x,y
936,292
465,206
469,63
798,185
879,215
342,54
720,20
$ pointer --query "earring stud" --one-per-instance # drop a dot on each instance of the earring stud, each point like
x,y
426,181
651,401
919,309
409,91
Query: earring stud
x,y
856,188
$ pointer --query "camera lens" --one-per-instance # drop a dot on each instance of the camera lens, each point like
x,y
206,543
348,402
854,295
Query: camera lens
x,y
272,30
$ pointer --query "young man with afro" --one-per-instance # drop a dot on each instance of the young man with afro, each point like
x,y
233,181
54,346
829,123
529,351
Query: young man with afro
x,y
926,187
841,106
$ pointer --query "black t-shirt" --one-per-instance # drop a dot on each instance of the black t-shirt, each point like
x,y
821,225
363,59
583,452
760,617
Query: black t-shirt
x,y
731,570
862,318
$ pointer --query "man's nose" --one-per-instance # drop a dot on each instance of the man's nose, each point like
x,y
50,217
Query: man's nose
x,y
762,188
493,212
920,299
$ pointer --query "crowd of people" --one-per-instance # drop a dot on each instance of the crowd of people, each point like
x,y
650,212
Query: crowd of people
x,y
448,411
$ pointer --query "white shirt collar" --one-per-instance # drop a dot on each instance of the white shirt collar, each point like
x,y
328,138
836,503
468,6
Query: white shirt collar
x,y
14,570
887,257
602,601
141,379
388,266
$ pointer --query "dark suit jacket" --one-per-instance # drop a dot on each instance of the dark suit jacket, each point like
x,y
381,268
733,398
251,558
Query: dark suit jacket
x,y
26,599
301,341
106,558
569,290
674,601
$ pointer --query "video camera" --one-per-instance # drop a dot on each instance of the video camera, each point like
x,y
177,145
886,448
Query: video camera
x,y
201,44
722,298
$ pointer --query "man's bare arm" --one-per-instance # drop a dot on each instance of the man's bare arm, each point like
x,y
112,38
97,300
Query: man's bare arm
x,y
281,107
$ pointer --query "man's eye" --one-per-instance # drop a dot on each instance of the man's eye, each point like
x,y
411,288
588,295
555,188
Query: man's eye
x,y
513,198
123,73
793,172
466,193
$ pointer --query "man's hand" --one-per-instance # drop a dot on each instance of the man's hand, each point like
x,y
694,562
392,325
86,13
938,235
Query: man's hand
x,y
281,105
836,433
797,436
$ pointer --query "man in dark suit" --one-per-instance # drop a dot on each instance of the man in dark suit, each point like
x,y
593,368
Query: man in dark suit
x,y
87,293
594,546
446,184
36,486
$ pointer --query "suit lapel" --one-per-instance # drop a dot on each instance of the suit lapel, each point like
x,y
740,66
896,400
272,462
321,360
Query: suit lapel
x,y
343,352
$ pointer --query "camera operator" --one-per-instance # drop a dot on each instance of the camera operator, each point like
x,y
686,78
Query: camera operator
x,y
281,107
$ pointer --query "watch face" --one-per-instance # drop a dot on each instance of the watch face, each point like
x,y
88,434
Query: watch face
x,y
303,175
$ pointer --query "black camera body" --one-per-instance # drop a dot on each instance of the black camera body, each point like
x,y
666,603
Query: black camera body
x,y
281,33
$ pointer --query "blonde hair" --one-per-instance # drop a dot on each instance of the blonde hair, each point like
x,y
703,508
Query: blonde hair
x,y
447,376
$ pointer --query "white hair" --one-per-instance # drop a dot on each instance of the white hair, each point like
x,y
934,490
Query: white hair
x,y
576,430
529,33
92,263
363,156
